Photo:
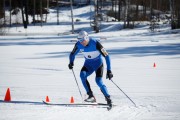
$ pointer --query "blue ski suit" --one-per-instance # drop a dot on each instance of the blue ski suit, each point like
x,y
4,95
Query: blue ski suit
x,y
93,53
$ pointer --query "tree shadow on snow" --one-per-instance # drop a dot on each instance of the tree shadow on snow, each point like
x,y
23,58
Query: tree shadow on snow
x,y
160,50
141,51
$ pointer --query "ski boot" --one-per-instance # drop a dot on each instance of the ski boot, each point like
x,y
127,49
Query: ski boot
x,y
90,98
109,102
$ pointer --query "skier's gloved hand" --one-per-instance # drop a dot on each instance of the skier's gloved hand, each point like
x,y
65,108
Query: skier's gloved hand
x,y
71,65
109,74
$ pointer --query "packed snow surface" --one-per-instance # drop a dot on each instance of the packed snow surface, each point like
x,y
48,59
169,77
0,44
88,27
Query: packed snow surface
x,y
34,64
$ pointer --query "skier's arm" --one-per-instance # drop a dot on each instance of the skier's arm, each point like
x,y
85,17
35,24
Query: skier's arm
x,y
73,54
105,54
107,58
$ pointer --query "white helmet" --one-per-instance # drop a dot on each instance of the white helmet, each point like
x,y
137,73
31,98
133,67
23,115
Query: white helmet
x,y
83,35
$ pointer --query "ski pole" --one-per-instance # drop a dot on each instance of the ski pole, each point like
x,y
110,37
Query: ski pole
x,y
123,92
77,84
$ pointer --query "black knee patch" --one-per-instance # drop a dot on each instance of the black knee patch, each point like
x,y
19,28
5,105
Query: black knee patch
x,y
99,71
84,69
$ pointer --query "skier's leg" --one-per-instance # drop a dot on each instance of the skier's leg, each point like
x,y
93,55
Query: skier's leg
x,y
83,75
99,74
102,86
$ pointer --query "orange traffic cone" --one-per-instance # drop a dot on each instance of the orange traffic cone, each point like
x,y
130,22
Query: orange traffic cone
x,y
47,99
72,100
154,65
8,95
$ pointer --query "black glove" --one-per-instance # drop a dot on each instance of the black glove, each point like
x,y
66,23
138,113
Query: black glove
x,y
71,65
109,74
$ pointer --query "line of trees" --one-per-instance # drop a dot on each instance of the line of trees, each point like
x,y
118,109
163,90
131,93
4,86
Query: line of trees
x,y
123,10
35,8
142,10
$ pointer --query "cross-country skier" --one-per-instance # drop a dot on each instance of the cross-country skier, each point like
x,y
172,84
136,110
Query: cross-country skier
x,y
93,52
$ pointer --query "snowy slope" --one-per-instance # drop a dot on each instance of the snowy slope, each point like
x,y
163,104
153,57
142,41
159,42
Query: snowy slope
x,y
34,67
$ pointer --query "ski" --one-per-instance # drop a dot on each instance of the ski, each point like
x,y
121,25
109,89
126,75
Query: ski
x,y
74,104
98,105
22,102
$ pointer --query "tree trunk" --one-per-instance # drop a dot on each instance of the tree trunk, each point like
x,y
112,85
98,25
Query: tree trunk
x,y
72,17
10,11
151,9
178,18
172,14
57,12
119,9
125,13
23,20
26,12
34,11
96,27
137,12
41,16
4,12
47,9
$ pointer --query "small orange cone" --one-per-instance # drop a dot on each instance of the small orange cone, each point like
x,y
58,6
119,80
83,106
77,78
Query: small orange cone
x,y
47,99
72,100
8,95
154,65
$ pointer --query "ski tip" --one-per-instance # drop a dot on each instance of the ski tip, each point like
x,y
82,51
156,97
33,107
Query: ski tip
x,y
44,102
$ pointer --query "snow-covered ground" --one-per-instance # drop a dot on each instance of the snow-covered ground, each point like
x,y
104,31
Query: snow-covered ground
x,y
34,67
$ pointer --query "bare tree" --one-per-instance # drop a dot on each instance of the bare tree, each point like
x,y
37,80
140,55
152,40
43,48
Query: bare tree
x,y
41,15
47,9
119,10
10,8
2,18
34,11
126,6
4,12
172,13
57,5
72,16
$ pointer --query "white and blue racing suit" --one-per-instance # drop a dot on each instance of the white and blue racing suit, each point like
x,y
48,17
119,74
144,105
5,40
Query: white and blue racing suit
x,y
93,53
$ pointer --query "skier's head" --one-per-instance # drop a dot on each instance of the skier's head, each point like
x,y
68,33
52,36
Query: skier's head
x,y
83,38
83,35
